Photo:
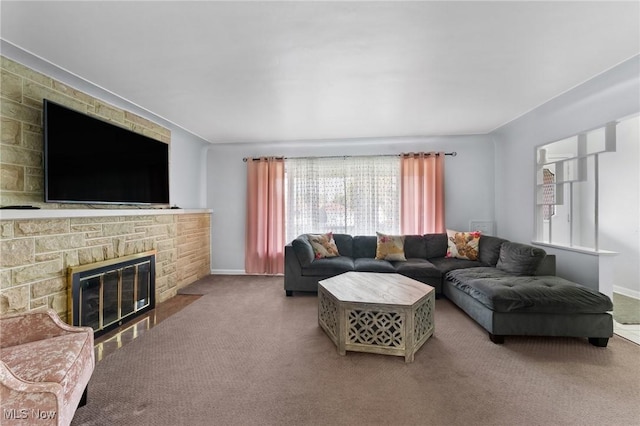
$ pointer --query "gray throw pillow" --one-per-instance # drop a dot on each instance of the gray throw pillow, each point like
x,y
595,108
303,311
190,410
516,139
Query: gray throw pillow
x,y
519,259
489,249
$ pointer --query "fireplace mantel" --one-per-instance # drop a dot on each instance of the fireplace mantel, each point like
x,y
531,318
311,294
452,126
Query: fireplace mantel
x,y
9,214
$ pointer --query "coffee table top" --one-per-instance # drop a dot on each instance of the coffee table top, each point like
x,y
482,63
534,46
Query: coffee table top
x,y
375,287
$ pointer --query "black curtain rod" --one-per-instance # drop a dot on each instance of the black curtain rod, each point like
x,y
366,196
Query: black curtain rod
x,y
453,154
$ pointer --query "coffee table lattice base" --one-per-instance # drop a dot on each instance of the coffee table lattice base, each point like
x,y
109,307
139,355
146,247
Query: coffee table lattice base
x,y
376,328
391,329
423,321
328,314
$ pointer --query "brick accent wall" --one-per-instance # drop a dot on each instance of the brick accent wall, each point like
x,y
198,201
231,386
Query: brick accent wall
x,y
35,253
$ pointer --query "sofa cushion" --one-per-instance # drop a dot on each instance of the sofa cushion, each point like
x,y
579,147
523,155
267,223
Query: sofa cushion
x,y
323,245
303,250
436,245
390,247
463,245
415,268
365,246
329,266
519,259
344,242
502,292
489,249
46,360
446,264
366,264
415,246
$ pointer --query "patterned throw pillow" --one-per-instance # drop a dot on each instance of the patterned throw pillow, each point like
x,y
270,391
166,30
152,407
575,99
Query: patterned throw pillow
x,y
390,247
463,245
323,245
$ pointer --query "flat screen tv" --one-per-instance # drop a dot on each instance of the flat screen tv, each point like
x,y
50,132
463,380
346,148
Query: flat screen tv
x,y
91,161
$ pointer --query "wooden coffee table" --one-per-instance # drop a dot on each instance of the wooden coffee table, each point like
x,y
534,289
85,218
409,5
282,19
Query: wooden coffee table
x,y
376,312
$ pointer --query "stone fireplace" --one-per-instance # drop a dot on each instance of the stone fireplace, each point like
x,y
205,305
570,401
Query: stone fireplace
x,y
105,295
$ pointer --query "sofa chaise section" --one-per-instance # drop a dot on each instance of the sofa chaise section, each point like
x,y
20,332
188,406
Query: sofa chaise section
x,y
508,300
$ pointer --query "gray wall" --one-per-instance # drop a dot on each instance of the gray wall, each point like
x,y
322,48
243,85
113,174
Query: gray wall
x,y
187,180
609,96
468,182
619,211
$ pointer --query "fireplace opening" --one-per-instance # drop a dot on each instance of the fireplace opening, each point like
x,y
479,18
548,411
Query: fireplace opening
x,y
105,295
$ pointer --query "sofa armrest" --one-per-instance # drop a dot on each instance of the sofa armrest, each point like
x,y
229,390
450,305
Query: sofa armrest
x,y
10,381
25,327
302,250
21,396
291,261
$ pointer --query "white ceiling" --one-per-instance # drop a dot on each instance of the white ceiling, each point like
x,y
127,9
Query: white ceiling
x,y
271,71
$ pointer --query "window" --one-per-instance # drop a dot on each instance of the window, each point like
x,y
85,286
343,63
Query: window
x,y
352,195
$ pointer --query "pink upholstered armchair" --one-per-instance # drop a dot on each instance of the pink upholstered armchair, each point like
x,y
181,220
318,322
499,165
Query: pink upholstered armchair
x,y
45,366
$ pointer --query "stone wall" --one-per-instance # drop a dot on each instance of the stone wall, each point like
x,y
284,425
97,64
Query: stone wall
x,y
35,253
21,147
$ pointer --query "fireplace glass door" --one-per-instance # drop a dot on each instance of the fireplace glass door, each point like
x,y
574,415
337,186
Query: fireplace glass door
x,y
110,292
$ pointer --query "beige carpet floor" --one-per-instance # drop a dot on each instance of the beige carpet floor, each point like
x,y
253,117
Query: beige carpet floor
x,y
244,354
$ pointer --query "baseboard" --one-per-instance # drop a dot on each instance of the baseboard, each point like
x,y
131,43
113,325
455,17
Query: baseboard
x,y
626,292
228,272
238,272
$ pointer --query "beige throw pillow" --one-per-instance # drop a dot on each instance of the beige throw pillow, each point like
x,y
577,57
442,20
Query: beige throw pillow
x,y
463,245
323,245
390,247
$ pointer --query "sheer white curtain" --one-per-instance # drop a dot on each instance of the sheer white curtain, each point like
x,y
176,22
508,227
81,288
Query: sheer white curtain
x,y
352,195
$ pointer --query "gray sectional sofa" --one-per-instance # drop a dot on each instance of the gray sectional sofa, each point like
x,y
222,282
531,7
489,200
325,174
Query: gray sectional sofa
x,y
510,290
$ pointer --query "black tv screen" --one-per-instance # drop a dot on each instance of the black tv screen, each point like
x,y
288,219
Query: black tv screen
x,y
91,161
